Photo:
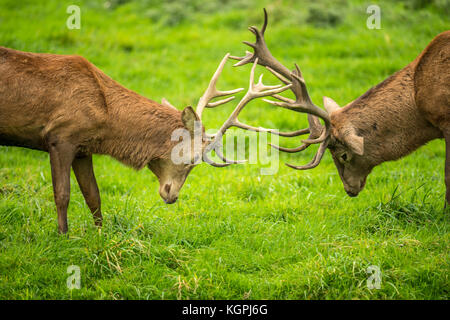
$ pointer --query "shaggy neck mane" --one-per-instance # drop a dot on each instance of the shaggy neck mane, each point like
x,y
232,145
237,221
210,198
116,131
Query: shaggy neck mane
x,y
137,130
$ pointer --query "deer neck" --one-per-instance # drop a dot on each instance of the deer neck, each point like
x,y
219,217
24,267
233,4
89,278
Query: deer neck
x,y
137,129
388,119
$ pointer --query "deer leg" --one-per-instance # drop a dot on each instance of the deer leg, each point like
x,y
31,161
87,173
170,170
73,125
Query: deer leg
x,y
447,168
61,157
84,172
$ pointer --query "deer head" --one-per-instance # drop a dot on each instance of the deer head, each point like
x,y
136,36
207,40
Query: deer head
x,y
348,150
338,134
172,174
194,144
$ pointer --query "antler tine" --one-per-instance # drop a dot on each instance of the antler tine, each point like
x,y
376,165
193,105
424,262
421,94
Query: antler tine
x,y
220,155
302,147
244,126
214,164
316,160
211,92
279,76
315,130
262,53
224,159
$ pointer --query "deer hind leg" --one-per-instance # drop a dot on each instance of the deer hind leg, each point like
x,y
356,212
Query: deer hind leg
x,y
84,172
61,157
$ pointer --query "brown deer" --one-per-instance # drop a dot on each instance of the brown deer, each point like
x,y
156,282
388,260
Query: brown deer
x,y
67,107
391,120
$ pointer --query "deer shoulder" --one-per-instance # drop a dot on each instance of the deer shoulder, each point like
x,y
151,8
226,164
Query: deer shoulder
x,y
432,79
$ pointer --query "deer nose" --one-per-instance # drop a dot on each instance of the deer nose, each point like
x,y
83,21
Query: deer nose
x,y
352,194
167,188
167,197
170,201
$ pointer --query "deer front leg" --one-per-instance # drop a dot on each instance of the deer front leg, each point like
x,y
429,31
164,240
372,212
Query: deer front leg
x,y
447,168
84,172
61,157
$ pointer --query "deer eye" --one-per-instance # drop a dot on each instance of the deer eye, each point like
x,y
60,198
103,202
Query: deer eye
x,y
343,157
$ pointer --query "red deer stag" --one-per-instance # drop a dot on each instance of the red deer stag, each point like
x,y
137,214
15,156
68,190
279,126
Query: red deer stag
x,y
67,107
394,118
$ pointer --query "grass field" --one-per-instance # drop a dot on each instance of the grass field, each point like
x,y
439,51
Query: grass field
x,y
234,233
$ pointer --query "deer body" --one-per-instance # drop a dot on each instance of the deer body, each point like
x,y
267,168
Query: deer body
x,y
402,113
66,106
394,118
388,118
47,97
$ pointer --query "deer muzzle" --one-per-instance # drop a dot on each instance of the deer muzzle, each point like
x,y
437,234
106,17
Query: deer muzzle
x,y
168,193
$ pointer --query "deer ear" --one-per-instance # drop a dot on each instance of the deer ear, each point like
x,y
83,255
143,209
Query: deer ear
x,y
330,105
166,103
354,142
189,117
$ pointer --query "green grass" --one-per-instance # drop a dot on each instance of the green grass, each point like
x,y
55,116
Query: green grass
x,y
234,233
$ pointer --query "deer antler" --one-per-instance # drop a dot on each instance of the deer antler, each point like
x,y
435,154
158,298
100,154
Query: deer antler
x,y
211,92
255,90
302,103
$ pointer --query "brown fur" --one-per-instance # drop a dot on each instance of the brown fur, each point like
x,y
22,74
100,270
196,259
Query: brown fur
x,y
66,106
46,96
404,112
